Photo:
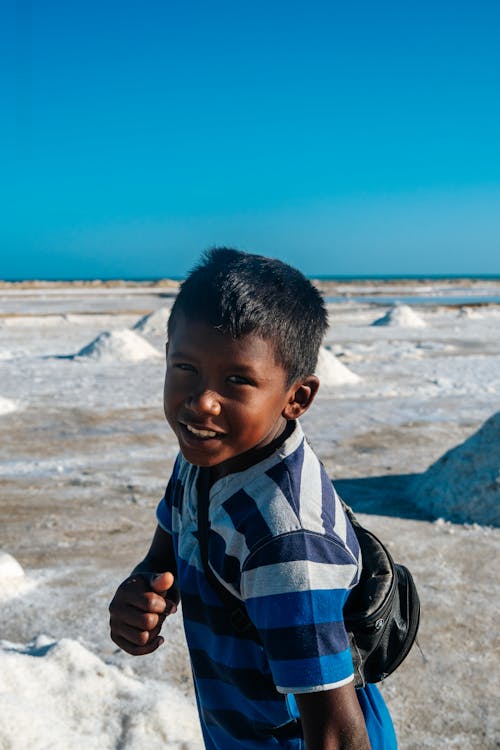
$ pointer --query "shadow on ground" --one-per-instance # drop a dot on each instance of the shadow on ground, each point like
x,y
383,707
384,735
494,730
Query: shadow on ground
x,y
388,495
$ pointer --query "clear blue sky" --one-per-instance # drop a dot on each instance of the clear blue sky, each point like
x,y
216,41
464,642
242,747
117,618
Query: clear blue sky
x,y
344,137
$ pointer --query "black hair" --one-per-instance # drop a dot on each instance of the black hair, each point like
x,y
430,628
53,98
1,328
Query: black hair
x,y
240,293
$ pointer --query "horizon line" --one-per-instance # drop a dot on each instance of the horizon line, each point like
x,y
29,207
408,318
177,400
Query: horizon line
x,y
319,277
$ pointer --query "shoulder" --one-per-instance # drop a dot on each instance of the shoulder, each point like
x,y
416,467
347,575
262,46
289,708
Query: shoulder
x,y
288,492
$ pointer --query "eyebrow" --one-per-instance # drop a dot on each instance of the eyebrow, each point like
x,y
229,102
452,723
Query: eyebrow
x,y
246,367
178,353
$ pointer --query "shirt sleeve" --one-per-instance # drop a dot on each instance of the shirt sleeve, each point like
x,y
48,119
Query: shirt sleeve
x,y
294,588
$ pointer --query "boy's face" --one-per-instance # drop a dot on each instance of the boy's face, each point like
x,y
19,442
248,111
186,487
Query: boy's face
x,y
223,397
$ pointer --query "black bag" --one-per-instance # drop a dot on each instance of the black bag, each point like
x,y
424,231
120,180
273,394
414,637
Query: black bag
x,y
381,614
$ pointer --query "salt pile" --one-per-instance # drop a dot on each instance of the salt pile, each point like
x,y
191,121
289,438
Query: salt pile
x,y
469,312
12,578
331,371
400,315
464,484
124,345
154,323
60,689
9,567
7,405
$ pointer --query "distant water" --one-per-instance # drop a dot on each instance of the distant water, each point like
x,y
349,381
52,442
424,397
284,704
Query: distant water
x,y
416,290
409,277
418,300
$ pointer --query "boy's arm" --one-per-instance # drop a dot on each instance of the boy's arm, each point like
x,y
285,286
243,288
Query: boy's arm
x,y
140,605
333,720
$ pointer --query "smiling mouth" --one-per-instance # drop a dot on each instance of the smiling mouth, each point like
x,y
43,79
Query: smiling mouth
x,y
201,433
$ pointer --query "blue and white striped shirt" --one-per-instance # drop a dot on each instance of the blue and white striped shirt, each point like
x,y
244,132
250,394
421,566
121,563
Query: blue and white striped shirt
x,y
280,542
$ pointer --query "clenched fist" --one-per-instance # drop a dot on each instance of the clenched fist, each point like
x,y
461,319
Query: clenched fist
x,y
138,610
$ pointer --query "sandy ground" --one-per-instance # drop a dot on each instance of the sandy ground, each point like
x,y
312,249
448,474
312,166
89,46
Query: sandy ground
x,y
85,456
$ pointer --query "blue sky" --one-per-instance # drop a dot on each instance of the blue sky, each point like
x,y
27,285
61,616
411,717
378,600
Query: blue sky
x,y
346,138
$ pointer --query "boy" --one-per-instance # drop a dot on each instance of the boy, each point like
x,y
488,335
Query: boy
x,y
243,341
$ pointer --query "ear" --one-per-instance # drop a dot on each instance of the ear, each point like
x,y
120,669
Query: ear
x,y
301,396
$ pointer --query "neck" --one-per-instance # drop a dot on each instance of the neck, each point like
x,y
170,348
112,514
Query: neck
x,y
251,457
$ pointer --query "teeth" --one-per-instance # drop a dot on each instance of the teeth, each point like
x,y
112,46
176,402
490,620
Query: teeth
x,y
201,433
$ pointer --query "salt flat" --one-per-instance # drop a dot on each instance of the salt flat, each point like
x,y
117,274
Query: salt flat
x,y
85,456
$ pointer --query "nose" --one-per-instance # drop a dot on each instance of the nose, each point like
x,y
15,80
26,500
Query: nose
x,y
205,402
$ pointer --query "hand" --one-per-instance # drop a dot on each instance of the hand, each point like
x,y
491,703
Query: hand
x,y
138,611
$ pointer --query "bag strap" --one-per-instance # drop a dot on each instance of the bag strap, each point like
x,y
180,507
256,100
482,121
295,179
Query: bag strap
x,y
238,613
349,512
175,473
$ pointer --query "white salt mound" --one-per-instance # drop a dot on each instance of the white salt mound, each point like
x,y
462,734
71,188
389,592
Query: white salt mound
x,y
7,405
13,581
9,567
400,315
469,312
154,323
331,371
61,690
464,484
123,345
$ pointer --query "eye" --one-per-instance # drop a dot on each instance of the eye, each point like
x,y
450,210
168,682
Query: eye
x,y
184,367
239,380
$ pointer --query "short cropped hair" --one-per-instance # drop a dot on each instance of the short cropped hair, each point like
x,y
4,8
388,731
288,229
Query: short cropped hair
x,y
240,293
